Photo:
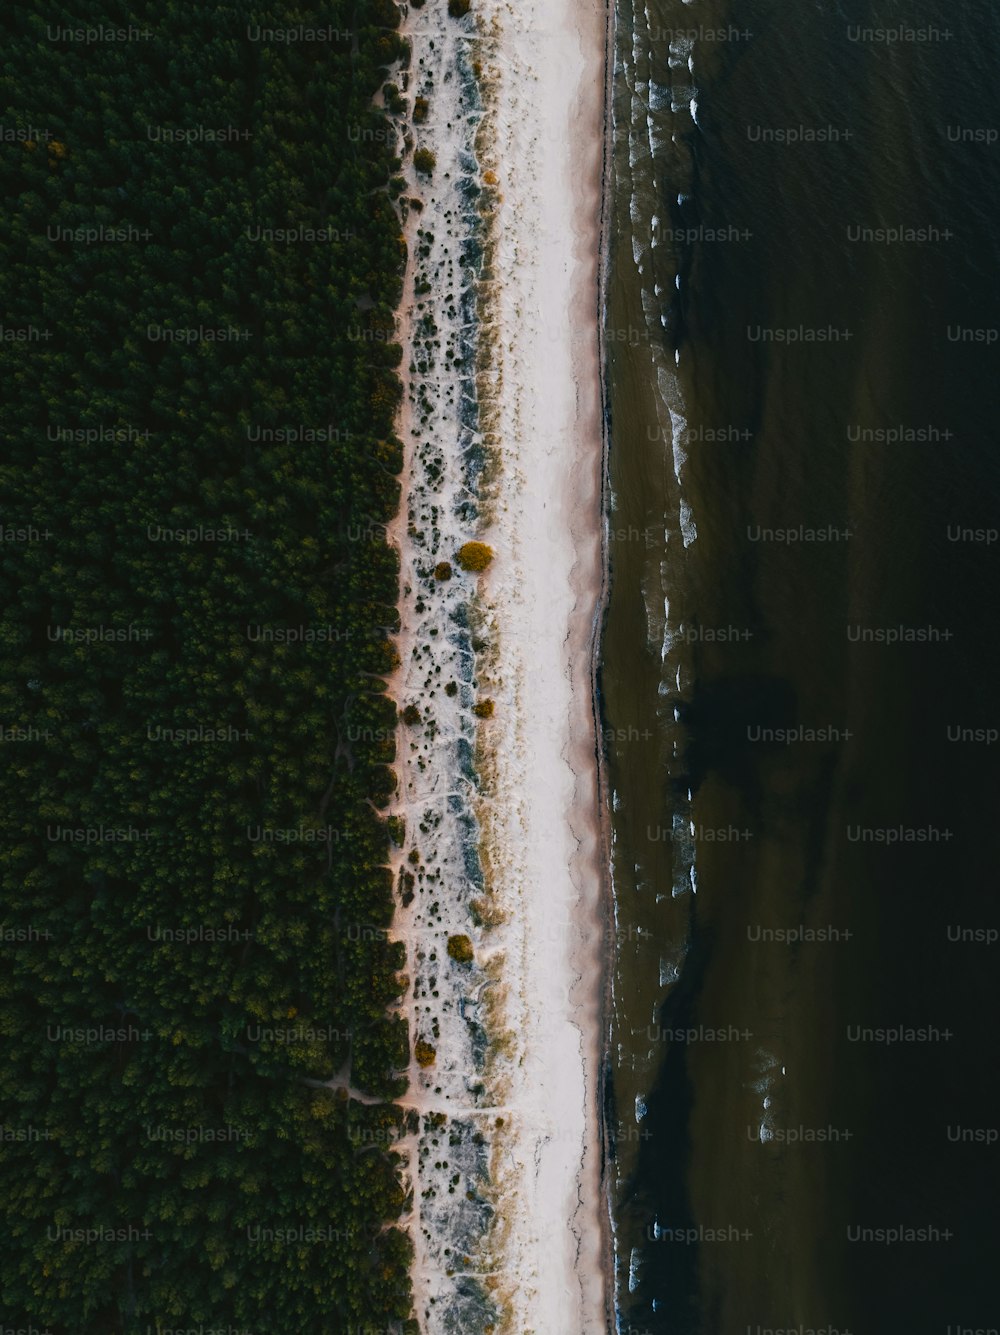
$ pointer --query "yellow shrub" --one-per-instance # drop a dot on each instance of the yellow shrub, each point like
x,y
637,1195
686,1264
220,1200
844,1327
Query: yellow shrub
x,y
474,556
460,949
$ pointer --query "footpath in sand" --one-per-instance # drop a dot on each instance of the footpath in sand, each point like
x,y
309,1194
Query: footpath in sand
x,y
502,856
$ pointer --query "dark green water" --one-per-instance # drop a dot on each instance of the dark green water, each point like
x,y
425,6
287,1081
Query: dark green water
x,y
801,644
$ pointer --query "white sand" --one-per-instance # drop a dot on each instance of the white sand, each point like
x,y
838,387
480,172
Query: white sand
x,y
531,1094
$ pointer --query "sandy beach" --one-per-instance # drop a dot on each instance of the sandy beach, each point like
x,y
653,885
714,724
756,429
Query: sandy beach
x,y
504,846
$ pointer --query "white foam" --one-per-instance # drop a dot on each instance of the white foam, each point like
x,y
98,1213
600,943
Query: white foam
x,y
669,635
635,1261
689,529
670,393
659,96
669,972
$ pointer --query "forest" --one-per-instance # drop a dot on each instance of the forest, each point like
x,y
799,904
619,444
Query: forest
x,y
200,259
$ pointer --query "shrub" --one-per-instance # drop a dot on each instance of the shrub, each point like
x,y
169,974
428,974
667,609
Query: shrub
x,y
451,688
474,556
484,709
424,161
460,949
490,178
442,570
397,830
394,100
421,106
411,715
424,1052
406,888
459,8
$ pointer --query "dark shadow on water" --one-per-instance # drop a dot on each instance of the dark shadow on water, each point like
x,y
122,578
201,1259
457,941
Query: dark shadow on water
x,y
721,719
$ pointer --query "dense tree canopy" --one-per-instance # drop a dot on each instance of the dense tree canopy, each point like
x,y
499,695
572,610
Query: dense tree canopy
x,y
198,259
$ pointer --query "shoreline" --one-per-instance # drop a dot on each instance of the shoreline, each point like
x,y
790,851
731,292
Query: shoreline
x,y
604,812
519,1034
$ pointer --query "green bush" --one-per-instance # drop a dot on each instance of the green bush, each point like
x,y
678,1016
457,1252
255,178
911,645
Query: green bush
x,y
424,161
397,830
